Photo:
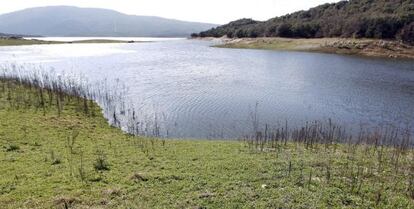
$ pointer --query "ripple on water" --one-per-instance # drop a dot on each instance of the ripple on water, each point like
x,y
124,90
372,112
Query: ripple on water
x,y
202,91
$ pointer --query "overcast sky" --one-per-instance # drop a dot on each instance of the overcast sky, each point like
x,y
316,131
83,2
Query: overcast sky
x,y
212,11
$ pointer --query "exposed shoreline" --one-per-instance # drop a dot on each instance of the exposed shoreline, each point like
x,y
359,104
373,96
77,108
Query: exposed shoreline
x,y
22,41
361,47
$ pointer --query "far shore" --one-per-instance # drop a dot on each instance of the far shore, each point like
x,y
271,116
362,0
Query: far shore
x,y
362,47
24,41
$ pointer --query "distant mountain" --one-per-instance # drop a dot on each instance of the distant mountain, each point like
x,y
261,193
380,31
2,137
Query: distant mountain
x,y
74,21
382,19
6,35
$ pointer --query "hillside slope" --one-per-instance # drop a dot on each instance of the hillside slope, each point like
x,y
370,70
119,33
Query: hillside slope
x,y
74,21
381,19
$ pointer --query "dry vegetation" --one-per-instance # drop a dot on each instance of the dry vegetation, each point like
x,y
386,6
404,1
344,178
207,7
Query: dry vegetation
x,y
363,47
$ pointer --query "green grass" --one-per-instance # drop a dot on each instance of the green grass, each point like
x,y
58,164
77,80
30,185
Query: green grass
x,y
49,161
19,42
98,41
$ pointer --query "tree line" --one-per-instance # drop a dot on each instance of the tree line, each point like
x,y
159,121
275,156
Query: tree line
x,y
380,19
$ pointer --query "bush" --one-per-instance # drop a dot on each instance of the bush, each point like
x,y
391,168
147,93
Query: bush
x,y
12,147
55,159
285,30
241,33
407,34
101,163
230,34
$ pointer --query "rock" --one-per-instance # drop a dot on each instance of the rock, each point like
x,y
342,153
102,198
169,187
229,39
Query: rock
x,y
113,192
316,179
66,202
138,177
205,195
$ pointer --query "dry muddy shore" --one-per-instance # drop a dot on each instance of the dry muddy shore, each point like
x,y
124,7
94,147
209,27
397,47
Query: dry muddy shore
x,y
362,47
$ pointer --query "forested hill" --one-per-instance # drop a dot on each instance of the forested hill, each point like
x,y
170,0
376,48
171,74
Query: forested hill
x,y
382,19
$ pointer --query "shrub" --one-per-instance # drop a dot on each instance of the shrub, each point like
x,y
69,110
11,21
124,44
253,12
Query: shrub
x,y
12,148
407,34
101,164
55,160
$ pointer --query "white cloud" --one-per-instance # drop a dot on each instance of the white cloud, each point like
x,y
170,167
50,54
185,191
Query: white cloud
x,y
214,11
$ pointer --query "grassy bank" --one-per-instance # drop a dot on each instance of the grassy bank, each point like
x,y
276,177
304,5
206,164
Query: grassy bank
x,y
19,42
363,47
57,151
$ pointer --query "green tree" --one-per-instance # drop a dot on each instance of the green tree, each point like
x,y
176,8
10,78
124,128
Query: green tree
x,y
407,33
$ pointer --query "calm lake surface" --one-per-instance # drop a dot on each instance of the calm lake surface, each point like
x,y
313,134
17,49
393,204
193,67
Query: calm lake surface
x,y
204,92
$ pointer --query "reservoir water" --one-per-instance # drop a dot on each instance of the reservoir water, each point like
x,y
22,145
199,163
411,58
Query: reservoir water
x,y
199,91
